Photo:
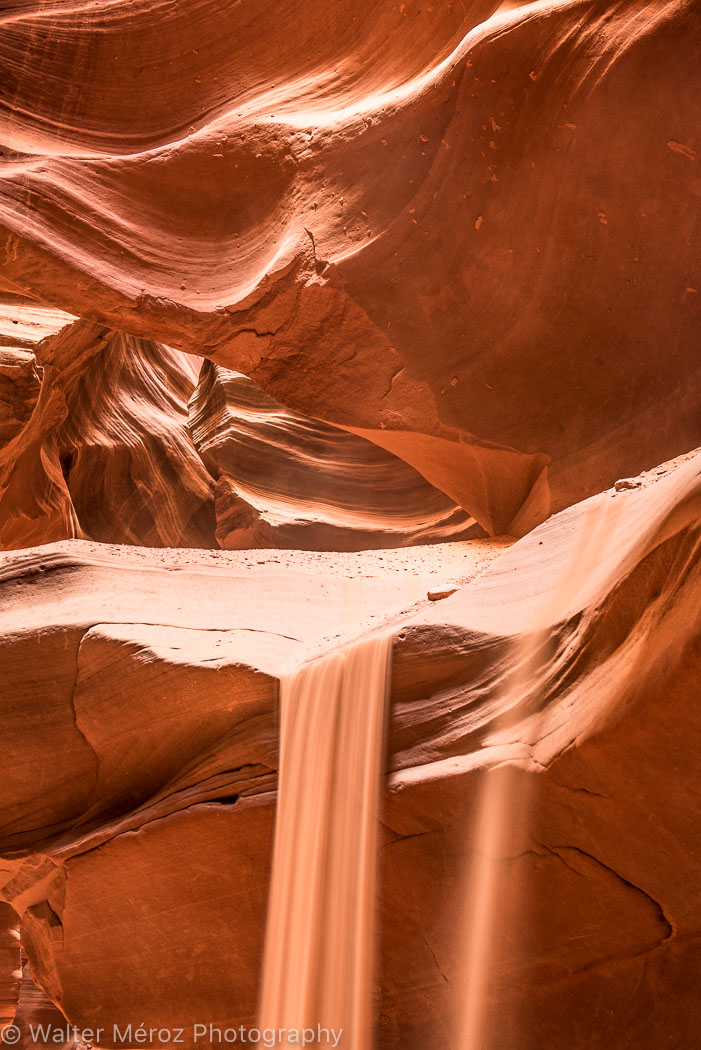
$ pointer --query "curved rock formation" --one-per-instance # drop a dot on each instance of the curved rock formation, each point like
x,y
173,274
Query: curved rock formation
x,y
444,227
19,390
105,451
10,964
25,322
350,276
600,737
36,1013
95,441
285,480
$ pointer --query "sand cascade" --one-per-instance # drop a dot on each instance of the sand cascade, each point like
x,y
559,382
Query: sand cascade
x,y
318,960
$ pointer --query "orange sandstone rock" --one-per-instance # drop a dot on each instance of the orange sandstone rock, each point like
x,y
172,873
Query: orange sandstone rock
x,y
181,772
307,214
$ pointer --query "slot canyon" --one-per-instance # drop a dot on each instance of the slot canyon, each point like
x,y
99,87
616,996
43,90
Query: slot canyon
x,y
350,524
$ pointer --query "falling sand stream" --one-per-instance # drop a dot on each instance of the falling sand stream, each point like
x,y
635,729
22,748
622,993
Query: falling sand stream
x,y
319,949
320,936
506,800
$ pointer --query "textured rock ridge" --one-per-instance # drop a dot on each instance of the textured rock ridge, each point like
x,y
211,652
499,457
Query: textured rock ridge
x,y
189,756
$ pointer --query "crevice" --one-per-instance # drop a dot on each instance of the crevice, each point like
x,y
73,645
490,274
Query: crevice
x,y
76,721
66,462
583,791
553,853
392,378
179,627
402,838
256,333
438,966
664,919
115,833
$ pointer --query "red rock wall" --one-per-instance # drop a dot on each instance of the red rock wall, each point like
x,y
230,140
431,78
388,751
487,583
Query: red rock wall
x,y
477,227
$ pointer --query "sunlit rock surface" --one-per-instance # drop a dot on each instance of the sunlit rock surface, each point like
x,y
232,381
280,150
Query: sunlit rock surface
x,y
111,437
329,279
105,451
601,741
466,231
285,480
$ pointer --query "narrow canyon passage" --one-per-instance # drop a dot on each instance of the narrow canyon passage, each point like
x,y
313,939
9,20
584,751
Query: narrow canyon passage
x,y
350,524
319,947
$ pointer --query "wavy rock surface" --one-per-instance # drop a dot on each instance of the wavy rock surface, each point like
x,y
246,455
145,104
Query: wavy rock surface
x,y
435,266
97,443
429,202
19,390
599,737
285,480
444,227
25,322
36,1012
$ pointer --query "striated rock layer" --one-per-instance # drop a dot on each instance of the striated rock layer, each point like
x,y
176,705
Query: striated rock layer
x,y
466,232
96,441
285,480
105,451
349,277
599,933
